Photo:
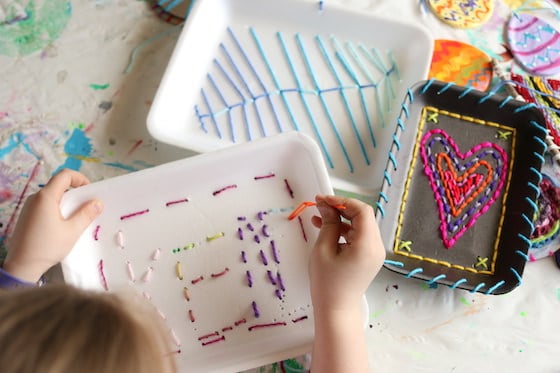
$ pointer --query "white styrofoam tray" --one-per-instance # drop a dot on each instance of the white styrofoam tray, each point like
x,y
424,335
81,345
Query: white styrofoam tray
x,y
146,211
246,69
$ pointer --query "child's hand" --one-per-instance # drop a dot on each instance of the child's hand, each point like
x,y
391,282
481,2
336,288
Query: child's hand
x,y
42,237
340,273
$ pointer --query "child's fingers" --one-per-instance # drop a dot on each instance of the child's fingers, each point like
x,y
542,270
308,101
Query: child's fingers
x,y
364,229
359,213
330,225
329,214
85,214
62,181
318,223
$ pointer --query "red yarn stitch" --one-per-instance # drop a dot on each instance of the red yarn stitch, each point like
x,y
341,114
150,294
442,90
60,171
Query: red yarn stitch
x,y
459,189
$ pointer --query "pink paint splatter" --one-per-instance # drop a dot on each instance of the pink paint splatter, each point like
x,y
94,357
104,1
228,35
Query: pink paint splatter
x,y
5,195
135,147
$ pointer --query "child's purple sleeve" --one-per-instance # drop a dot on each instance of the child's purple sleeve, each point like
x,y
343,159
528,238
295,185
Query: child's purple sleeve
x,y
7,281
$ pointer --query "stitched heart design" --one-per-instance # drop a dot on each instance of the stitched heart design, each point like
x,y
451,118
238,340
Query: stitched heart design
x,y
465,185
462,189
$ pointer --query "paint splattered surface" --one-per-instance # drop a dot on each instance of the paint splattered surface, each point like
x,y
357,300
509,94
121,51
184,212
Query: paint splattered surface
x,y
65,99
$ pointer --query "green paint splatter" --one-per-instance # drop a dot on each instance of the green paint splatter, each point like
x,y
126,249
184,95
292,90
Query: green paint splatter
x,y
99,87
41,26
522,313
427,286
292,366
464,301
418,355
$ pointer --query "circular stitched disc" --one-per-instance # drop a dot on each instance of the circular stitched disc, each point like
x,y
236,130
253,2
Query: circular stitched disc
x,y
544,239
172,11
534,44
460,63
463,13
516,4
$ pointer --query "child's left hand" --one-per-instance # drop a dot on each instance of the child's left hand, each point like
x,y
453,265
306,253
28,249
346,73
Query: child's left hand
x,y
42,237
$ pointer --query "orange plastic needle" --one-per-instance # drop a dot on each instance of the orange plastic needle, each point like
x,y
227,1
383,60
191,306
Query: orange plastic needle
x,y
302,206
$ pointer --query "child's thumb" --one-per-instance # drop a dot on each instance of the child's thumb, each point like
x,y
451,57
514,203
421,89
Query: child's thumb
x,y
85,214
330,227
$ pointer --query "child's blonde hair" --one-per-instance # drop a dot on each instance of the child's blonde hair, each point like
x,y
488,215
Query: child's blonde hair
x,y
59,329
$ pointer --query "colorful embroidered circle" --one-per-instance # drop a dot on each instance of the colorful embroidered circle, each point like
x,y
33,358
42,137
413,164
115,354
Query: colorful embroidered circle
x,y
545,93
172,11
547,223
460,63
516,4
463,14
534,43
166,16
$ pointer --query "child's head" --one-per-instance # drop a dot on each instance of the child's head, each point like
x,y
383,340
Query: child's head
x,y
58,328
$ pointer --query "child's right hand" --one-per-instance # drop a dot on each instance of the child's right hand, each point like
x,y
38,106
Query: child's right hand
x,y
340,273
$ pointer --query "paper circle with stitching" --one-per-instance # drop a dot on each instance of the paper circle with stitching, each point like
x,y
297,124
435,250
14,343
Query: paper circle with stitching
x,y
545,238
543,92
463,14
547,221
515,4
166,16
534,44
460,63
172,11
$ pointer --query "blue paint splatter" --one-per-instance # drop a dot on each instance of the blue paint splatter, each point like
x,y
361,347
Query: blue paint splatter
x,y
16,140
77,148
121,166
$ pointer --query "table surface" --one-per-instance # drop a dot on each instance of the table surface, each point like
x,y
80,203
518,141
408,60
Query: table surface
x,y
76,85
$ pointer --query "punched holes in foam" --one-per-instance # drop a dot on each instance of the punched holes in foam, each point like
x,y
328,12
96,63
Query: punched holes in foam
x,y
468,163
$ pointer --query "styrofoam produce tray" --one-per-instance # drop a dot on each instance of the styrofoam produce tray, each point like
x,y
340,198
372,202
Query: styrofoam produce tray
x,y
247,69
219,215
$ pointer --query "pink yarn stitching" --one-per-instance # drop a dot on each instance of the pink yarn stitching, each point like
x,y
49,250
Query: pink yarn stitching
x,y
431,174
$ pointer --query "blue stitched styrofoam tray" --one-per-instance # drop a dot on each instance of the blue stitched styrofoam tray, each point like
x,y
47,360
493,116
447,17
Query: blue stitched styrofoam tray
x,y
460,187
246,69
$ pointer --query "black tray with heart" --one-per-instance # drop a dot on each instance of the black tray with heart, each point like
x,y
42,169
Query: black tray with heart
x,y
460,187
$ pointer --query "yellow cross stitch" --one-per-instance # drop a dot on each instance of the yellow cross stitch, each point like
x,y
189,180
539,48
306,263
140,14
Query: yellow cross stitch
x,y
481,262
503,134
433,117
405,245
